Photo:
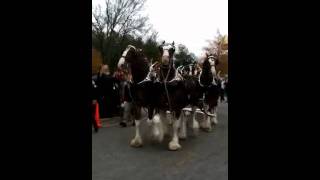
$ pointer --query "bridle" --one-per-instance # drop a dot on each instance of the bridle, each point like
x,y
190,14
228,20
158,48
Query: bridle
x,y
169,70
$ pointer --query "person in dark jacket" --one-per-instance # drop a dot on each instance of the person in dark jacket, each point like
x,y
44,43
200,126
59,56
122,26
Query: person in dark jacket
x,y
125,100
126,105
106,92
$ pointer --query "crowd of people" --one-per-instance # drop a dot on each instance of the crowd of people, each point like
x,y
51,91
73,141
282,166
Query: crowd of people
x,y
111,96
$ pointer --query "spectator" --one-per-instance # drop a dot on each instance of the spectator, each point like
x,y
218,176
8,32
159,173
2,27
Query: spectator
x,y
126,102
107,92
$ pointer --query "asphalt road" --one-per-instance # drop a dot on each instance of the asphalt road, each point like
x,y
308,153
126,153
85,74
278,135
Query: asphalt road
x,y
202,157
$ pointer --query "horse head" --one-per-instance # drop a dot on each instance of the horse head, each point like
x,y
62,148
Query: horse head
x,y
167,52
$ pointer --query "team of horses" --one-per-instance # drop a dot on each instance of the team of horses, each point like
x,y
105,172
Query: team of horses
x,y
169,93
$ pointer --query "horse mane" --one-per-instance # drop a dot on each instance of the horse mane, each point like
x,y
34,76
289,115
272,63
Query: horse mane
x,y
206,76
139,66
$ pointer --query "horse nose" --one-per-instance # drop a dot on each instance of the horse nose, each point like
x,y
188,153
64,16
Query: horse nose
x,y
165,58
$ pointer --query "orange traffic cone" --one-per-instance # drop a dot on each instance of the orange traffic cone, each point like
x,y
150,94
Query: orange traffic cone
x,y
97,116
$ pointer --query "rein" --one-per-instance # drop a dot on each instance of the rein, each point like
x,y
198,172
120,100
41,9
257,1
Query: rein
x,y
165,85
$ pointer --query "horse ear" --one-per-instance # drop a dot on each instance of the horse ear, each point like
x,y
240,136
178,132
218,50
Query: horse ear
x,y
163,42
173,43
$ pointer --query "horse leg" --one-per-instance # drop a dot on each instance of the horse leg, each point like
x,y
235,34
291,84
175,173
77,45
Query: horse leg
x,y
169,117
157,128
126,113
174,143
183,129
165,120
215,115
137,140
150,115
206,124
195,123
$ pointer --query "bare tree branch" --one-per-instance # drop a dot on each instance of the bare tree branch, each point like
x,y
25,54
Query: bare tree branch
x,y
120,18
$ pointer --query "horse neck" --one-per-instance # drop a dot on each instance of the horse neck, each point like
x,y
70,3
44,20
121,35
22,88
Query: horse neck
x,y
165,70
206,76
139,69
206,69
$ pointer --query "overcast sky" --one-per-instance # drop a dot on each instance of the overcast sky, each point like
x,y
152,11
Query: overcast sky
x,y
189,22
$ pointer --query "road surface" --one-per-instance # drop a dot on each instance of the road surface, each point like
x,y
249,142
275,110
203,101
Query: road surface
x,y
202,157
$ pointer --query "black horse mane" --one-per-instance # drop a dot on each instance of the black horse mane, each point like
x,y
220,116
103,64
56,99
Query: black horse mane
x,y
206,75
139,66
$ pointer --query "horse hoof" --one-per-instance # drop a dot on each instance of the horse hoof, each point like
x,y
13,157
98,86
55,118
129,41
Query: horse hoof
x,y
123,124
158,138
136,142
182,137
173,146
207,129
214,121
149,122
195,125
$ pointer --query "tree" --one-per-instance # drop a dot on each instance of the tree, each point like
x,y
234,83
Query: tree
x,y
151,47
119,20
215,45
219,47
183,56
98,33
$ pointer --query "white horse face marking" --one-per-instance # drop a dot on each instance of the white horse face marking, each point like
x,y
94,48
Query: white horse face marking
x,y
212,62
166,50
